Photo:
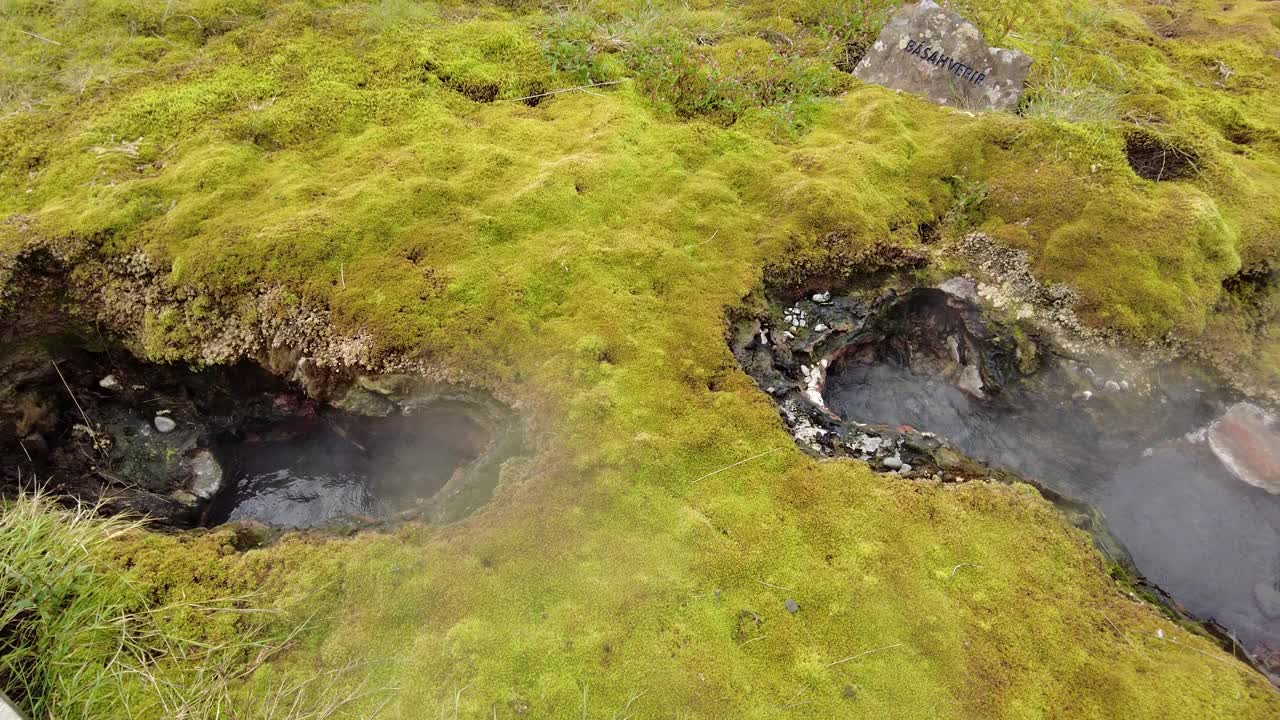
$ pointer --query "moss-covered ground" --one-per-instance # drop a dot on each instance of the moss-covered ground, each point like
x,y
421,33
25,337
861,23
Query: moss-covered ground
x,y
580,251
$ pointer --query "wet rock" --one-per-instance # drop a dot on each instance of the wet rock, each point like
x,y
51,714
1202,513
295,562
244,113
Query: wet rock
x,y
1247,442
206,474
792,606
165,424
822,297
35,446
363,401
930,51
1268,598
970,381
109,383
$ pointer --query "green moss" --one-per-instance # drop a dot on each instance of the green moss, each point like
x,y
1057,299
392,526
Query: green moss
x,y
582,251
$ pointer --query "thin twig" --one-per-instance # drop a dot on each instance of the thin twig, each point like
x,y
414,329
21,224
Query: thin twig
x,y
868,652
1195,649
39,37
73,396
704,242
584,702
748,642
627,707
24,451
794,699
457,697
1121,634
776,587
963,564
734,465
342,274
565,90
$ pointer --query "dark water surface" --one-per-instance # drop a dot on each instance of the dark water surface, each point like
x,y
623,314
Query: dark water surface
x,y
339,465
1205,537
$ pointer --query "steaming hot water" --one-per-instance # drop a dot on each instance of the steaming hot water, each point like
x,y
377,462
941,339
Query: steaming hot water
x,y
1207,538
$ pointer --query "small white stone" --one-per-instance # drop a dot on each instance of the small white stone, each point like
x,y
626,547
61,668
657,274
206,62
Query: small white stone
x,y
893,463
164,424
109,383
821,297
820,327
1113,386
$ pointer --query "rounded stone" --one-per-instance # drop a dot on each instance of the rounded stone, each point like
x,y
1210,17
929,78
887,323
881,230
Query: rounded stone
x,y
165,424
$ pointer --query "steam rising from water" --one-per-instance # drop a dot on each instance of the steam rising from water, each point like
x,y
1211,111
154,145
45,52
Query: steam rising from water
x,y
1204,536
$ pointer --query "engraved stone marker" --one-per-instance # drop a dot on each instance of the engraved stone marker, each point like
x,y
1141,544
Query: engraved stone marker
x,y
928,50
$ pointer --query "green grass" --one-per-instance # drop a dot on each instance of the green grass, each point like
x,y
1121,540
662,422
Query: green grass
x,y
81,638
580,255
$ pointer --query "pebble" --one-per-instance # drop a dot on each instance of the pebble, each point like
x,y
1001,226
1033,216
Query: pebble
x,y
164,424
109,383
893,463
906,468
821,297
792,606
820,327
1113,386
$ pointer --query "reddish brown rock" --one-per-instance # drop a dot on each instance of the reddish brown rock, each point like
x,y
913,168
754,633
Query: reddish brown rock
x,y
1247,441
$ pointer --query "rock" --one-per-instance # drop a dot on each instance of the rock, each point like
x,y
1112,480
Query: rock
x,y
109,383
893,463
820,327
822,297
363,401
206,474
961,287
184,497
1268,598
930,51
906,468
970,381
1247,442
1112,386
792,606
165,424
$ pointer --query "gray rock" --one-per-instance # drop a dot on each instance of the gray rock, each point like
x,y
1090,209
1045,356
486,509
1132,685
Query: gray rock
x,y
820,327
930,51
1112,386
792,606
109,383
961,287
165,424
906,468
893,463
822,297
970,381
206,474
363,401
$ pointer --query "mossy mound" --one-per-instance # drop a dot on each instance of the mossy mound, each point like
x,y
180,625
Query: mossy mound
x,y
375,159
